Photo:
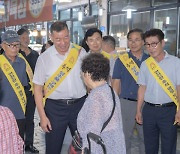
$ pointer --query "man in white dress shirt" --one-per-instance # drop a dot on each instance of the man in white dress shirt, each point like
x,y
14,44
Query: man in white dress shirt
x,y
65,97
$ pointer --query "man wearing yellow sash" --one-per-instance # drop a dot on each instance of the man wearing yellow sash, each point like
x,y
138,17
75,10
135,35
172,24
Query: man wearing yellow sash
x,y
159,88
57,73
108,50
13,78
30,56
92,40
124,83
93,44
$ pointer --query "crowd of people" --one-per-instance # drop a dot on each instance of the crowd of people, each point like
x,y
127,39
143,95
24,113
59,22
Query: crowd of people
x,y
90,89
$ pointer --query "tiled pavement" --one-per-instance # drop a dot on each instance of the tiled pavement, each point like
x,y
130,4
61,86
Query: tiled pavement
x,y
39,141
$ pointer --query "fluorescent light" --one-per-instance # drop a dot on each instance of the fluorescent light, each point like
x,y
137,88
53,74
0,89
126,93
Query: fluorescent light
x,y
35,33
31,33
167,20
80,15
43,32
129,14
119,34
165,39
129,9
100,11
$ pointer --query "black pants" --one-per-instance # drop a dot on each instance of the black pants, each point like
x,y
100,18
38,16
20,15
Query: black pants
x,y
61,116
21,126
29,127
158,121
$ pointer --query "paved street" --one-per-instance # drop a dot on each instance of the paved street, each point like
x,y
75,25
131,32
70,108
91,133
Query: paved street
x,y
39,141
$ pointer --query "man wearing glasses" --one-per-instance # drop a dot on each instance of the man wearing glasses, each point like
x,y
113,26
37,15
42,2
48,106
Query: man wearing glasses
x,y
159,91
124,83
13,78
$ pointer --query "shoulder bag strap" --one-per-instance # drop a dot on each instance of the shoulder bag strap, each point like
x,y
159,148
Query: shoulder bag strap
x,y
113,96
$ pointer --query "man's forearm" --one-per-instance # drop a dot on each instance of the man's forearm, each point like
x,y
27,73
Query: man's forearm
x,y
116,84
38,95
141,92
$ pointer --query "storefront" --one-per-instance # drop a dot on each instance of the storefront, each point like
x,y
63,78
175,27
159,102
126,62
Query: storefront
x,y
30,14
162,14
77,27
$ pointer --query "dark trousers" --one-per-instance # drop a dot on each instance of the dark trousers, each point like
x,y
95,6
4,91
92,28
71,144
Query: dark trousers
x,y
29,127
158,121
61,116
21,126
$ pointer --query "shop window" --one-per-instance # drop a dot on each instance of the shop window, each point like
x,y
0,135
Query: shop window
x,y
141,20
163,2
78,33
69,24
75,12
118,27
118,5
65,14
166,20
94,8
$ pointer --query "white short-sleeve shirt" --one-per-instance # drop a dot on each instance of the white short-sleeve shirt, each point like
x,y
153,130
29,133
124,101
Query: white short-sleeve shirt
x,y
72,86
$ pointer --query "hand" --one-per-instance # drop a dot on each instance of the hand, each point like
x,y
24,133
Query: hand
x,y
139,118
177,117
45,125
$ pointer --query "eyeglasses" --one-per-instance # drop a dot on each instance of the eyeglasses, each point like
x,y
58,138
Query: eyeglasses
x,y
13,45
134,41
153,45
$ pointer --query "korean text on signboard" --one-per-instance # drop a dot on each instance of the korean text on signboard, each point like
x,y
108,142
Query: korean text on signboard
x,y
26,11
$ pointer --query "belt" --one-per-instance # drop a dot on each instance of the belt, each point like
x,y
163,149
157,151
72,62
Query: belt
x,y
161,105
70,101
130,99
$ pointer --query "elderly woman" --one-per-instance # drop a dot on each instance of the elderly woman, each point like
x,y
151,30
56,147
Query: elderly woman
x,y
98,107
10,140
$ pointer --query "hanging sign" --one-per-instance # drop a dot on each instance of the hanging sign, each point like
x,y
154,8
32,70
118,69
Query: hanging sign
x,y
26,11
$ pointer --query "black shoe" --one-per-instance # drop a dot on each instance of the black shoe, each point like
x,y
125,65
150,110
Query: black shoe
x,y
31,148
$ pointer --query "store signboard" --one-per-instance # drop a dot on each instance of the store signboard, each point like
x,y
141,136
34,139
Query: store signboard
x,y
26,11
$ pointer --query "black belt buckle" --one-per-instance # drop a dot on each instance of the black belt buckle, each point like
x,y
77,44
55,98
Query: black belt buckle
x,y
70,102
158,105
161,105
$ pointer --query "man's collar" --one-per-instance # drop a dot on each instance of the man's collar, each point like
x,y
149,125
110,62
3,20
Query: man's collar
x,y
166,54
112,52
95,52
131,54
55,52
17,59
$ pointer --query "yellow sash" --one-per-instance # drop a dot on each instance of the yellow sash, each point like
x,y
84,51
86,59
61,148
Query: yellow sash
x,y
14,81
162,79
56,79
108,56
130,65
29,72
